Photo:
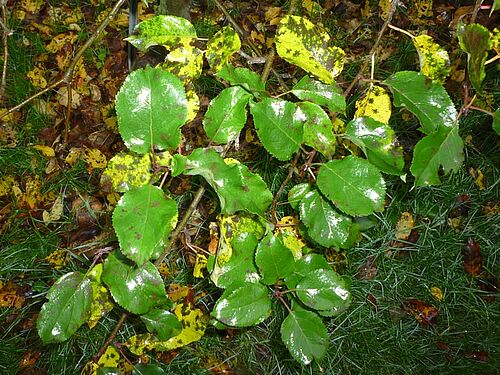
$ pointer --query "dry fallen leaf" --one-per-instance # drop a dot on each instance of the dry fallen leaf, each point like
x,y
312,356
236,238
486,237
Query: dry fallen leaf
x,y
473,260
424,313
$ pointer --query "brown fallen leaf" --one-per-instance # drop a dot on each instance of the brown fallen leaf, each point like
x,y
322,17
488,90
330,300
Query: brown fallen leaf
x,y
425,313
479,356
473,260
368,270
11,295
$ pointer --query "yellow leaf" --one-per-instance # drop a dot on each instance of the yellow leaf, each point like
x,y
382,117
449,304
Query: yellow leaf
x,y
125,171
200,265
32,195
36,77
437,293
101,301
58,258
110,358
288,227
6,184
185,62
45,150
375,104
73,155
55,211
95,159
478,177
176,292
384,7
59,41
221,47
424,9
495,40
434,60
32,6
193,104
313,7
404,226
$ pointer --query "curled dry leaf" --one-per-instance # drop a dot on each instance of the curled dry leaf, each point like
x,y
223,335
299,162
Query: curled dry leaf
x,y
425,313
473,260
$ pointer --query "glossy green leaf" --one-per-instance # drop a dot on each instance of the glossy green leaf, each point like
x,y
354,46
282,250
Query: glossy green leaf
x,y
227,114
179,163
240,266
427,100
304,266
496,121
69,302
237,188
168,31
126,171
296,194
434,60
378,142
441,149
246,305
319,93
143,219
142,369
279,125
221,47
136,289
162,323
243,77
151,107
475,40
324,290
318,129
300,42
353,184
324,223
305,336
274,260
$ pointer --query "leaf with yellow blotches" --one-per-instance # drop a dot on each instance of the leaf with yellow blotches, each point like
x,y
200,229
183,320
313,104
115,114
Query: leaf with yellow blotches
x,y
101,300
95,159
375,104
32,6
434,60
45,150
200,265
6,184
478,177
32,195
437,293
221,47
404,226
10,295
193,104
74,155
384,7
177,291
127,170
58,259
111,359
36,77
59,41
288,227
424,10
55,212
185,62
300,42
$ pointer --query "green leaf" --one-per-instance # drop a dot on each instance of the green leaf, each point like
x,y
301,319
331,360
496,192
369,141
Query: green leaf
x,y
162,323
151,107
353,184
221,47
143,219
305,336
443,148
323,289
300,42
69,302
237,188
274,260
319,93
246,305
136,289
179,163
318,129
240,267
496,121
427,100
279,125
227,114
243,77
378,142
126,171
304,266
434,60
142,369
296,194
168,31
475,40
325,224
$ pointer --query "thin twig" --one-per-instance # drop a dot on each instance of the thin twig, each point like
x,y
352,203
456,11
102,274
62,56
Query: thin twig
x,y
68,74
5,36
291,169
373,49
112,336
477,6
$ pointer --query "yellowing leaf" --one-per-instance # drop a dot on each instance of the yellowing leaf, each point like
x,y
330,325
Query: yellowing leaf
x,y
434,60
176,292
45,150
36,77
125,171
193,104
101,300
308,46
55,212
110,358
495,40
437,293
288,227
58,258
200,265
404,226
73,155
10,295
6,184
59,41
384,7
32,195
375,104
185,62
424,9
32,6
478,177
95,159
221,47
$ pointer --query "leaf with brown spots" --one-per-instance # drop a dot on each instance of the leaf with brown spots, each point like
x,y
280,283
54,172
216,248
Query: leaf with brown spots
x,y
425,314
473,260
